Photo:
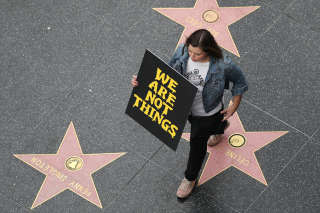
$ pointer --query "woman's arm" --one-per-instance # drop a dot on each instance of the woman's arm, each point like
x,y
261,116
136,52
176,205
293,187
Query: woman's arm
x,y
234,74
232,108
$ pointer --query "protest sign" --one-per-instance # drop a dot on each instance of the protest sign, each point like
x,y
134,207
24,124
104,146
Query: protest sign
x,y
162,100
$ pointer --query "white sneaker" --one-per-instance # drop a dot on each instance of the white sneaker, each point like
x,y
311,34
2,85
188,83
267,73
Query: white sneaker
x,y
185,188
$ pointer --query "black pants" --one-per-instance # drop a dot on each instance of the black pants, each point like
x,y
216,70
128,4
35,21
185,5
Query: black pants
x,y
201,129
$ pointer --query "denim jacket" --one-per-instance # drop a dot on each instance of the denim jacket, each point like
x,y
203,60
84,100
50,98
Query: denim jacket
x,y
220,73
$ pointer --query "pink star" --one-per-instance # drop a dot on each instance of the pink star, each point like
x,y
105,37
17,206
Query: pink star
x,y
68,169
208,15
238,153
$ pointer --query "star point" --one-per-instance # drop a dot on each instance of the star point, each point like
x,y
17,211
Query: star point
x,y
237,149
69,169
208,15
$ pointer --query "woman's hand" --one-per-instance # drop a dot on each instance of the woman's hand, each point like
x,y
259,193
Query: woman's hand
x,y
134,81
233,106
228,112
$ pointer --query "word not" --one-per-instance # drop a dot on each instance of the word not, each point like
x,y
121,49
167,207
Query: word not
x,y
155,116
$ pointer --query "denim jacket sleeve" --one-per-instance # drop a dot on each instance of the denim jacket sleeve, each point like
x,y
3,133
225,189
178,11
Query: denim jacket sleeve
x,y
234,74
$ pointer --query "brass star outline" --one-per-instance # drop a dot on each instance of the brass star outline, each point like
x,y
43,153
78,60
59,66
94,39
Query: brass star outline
x,y
54,166
223,156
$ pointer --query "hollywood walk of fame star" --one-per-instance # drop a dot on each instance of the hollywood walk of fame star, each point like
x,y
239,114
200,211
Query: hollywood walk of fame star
x,y
69,169
208,15
237,149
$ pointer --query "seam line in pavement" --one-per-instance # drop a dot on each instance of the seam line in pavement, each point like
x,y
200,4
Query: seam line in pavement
x,y
285,12
268,28
219,203
135,175
276,177
315,133
143,166
19,204
271,25
290,5
209,195
276,118
278,18
174,175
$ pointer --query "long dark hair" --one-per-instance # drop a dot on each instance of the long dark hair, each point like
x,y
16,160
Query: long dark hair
x,y
204,40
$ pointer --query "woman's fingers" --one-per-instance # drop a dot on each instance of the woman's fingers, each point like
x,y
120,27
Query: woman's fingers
x,y
223,111
134,81
226,116
227,113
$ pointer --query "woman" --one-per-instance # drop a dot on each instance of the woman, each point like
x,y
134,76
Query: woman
x,y
201,61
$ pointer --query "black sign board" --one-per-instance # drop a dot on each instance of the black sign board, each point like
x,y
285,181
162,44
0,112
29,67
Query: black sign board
x,y
162,100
